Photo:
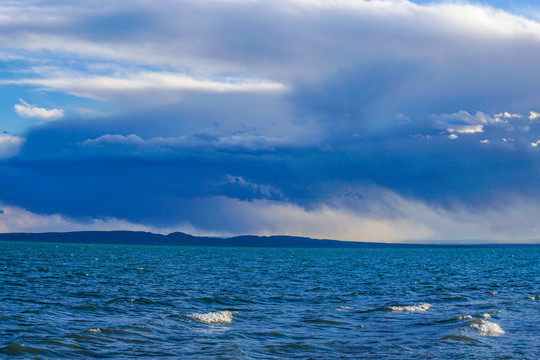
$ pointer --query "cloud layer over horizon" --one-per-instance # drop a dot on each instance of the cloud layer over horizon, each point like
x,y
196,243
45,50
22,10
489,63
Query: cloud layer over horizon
x,y
354,120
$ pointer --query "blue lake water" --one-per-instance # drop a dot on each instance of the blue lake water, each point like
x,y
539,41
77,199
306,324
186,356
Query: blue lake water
x,y
90,301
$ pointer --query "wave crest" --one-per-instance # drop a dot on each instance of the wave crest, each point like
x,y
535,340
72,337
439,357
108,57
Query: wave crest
x,y
487,328
216,317
416,307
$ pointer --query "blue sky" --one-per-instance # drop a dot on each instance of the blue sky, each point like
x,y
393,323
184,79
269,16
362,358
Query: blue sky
x,y
353,120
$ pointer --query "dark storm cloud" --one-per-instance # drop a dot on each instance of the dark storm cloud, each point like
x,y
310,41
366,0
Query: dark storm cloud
x,y
276,105
153,185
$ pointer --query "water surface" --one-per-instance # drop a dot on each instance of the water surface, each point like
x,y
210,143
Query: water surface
x,y
89,301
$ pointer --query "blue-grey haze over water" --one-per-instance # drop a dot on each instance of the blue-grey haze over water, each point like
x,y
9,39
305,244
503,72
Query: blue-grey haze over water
x,y
120,301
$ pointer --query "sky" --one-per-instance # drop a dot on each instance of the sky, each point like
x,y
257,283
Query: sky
x,y
388,120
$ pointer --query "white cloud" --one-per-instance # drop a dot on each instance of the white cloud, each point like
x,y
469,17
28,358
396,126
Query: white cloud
x,y
130,139
15,219
391,218
453,136
26,110
463,123
468,129
535,144
106,87
533,115
485,141
328,223
10,145
237,141
321,35
505,117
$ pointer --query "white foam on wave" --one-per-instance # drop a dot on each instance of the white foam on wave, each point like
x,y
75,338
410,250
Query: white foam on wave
x,y
416,307
533,297
466,317
486,328
93,331
216,317
345,308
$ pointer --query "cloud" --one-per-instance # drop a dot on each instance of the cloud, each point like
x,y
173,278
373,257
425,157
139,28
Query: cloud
x,y
395,219
26,110
418,189
214,115
15,219
505,117
107,87
232,142
10,145
240,188
319,39
468,129
410,220
54,26
266,217
533,115
463,123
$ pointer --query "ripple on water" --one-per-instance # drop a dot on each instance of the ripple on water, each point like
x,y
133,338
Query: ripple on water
x,y
466,317
323,321
21,349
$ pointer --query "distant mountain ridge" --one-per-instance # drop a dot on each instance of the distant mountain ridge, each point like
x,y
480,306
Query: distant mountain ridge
x,y
175,238
182,239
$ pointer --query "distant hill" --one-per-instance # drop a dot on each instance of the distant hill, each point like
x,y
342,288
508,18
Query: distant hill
x,y
182,239
176,238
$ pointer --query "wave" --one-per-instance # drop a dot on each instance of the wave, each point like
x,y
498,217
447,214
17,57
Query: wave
x,y
416,307
20,349
325,322
216,317
487,328
107,331
460,337
345,308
